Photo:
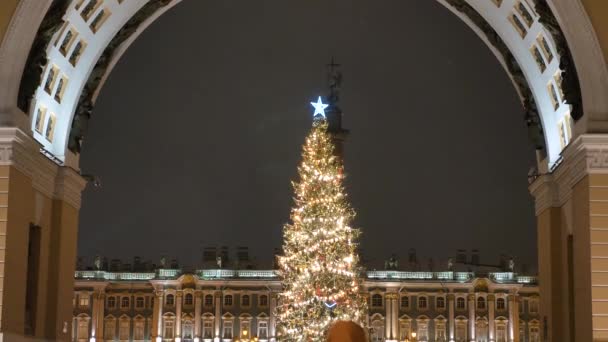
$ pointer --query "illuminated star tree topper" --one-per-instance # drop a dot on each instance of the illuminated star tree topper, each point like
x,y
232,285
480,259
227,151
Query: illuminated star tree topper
x,y
319,108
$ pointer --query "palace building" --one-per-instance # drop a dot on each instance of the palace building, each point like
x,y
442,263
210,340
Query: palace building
x,y
238,305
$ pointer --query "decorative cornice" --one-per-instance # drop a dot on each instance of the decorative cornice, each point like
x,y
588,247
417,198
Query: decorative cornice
x,y
586,155
19,150
68,187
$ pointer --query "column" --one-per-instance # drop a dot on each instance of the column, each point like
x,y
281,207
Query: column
x,y
218,315
100,315
451,332
395,320
514,317
472,317
198,300
388,318
272,321
156,331
491,307
178,315
94,315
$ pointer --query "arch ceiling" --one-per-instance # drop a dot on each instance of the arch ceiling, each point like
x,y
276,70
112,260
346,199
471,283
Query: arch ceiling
x,y
80,41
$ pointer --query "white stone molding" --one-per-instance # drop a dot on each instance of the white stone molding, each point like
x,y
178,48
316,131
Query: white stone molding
x,y
19,150
586,155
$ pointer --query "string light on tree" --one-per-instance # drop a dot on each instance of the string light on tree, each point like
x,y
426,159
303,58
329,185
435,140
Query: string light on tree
x,y
319,268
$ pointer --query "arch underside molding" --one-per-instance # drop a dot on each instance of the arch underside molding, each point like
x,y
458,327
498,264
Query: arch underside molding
x,y
534,66
60,128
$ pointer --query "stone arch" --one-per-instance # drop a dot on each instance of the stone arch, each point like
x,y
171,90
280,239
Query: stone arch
x,y
556,16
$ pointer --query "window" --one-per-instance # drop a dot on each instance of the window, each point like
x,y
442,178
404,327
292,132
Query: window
x,y
123,332
208,300
263,300
461,330
245,329
60,34
39,124
170,300
423,331
377,333
109,330
111,302
522,331
50,79
555,101
124,303
534,333
101,17
139,302
228,300
405,302
188,299
565,130
168,329
545,47
376,300
481,303
208,329
440,331
50,127
67,41
440,303
501,304
88,10
78,4
187,330
558,82
138,329
518,25
501,332
245,300
538,58
83,300
533,303
263,329
60,88
227,329
460,303
77,52
498,3
83,328
405,328
422,303
525,13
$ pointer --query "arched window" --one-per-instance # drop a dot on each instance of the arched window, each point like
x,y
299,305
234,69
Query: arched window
x,y
440,303
501,304
377,333
228,300
376,300
124,303
263,300
111,302
422,303
188,299
170,300
405,302
460,303
481,303
245,300
208,300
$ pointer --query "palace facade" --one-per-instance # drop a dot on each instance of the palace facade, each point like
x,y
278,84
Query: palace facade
x,y
238,305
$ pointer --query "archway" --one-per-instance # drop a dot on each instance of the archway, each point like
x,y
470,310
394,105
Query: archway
x,y
528,42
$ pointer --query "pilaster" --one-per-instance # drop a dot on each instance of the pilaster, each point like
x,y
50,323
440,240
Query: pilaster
x,y
272,325
513,318
157,316
471,306
218,315
571,206
491,316
179,297
451,317
198,300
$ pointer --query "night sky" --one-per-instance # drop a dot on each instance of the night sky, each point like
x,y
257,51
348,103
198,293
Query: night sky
x,y
198,132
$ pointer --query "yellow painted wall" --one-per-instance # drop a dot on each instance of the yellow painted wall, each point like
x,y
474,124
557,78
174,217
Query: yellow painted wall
x,y
7,8
598,13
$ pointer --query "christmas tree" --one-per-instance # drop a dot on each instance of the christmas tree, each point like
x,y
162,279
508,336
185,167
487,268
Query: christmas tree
x,y
319,268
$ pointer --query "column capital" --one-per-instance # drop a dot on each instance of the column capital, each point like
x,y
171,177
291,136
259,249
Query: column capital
x,y
587,154
158,293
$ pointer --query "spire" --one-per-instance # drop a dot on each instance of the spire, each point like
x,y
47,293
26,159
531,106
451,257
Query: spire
x,y
333,112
